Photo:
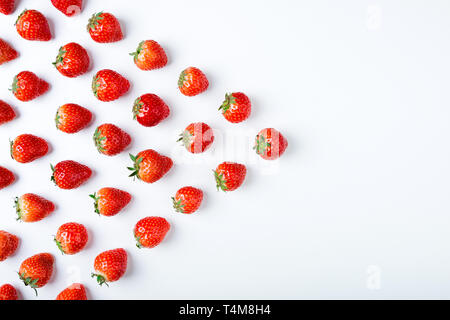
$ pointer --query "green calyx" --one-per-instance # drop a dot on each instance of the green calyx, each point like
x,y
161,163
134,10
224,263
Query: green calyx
x,y
177,205
59,245
261,144
95,86
138,242
14,85
221,183
59,57
186,138
181,79
28,281
136,163
96,199
57,118
229,100
138,104
138,51
18,210
20,16
52,178
94,21
98,140
11,150
100,279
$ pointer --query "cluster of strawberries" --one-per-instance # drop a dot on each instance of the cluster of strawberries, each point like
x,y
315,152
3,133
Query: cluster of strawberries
x,y
148,165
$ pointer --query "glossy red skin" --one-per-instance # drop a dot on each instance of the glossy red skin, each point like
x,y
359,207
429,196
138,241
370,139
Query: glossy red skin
x,y
6,112
149,110
111,201
39,266
111,264
32,25
237,110
7,6
275,144
72,118
109,85
75,291
107,30
189,199
153,166
197,137
74,60
27,148
33,208
27,86
111,140
192,81
71,174
150,55
71,238
7,53
8,244
68,7
232,173
151,231
6,178
8,292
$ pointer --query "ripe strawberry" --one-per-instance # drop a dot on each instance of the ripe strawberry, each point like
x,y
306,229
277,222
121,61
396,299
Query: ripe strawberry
x,y
110,266
7,53
197,137
72,60
68,7
6,177
27,86
150,166
110,201
187,200
192,82
110,139
32,208
7,6
270,144
104,28
149,55
37,270
70,174
71,118
71,238
149,110
7,291
236,107
150,231
229,176
32,25
8,244
108,85
75,291
27,148
6,112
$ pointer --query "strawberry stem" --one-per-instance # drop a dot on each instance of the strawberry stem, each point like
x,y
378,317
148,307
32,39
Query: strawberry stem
x,y
100,279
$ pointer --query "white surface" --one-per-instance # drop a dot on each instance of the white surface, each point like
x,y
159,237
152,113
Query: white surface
x,y
357,207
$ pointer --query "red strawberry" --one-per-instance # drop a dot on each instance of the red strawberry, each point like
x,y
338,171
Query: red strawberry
x,y
150,231
270,144
27,86
7,291
37,270
70,174
236,107
149,55
6,177
32,25
27,148
110,139
197,137
6,112
68,7
71,238
32,208
7,6
149,110
104,27
7,53
229,176
192,82
71,118
110,201
108,85
150,166
110,266
75,291
187,200
8,244
72,60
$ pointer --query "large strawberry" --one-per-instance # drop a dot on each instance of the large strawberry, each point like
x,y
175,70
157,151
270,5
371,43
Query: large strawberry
x,y
104,27
27,148
70,174
236,107
270,144
32,208
149,55
6,177
7,6
72,60
6,112
37,270
71,238
7,53
110,201
229,176
197,137
149,110
32,25
187,200
110,139
68,7
71,118
192,81
150,231
108,85
8,244
150,166
110,266
75,291
7,291
27,86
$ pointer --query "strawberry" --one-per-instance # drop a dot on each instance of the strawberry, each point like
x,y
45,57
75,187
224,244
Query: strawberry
x,y
229,176
187,200
7,291
6,112
110,266
108,85
32,208
197,137
32,25
192,82
150,231
68,7
270,144
110,139
149,110
71,118
149,55
71,238
27,148
75,291
6,177
7,6
8,244
104,28
110,201
37,270
150,166
72,60
236,107
27,86
70,174
7,53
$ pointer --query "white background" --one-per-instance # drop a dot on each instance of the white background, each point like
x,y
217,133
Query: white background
x,y
358,207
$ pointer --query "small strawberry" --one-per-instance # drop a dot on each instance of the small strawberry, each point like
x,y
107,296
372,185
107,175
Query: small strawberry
x,y
27,86
71,238
37,270
6,112
6,177
71,118
192,82
7,53
197,137
72,60
32,208
27,148
68,7
187,200
149,110
32,25
150,231
70,174
150,166
236,107
149,55
270,144
104,28
7,291
7,6
8,244
110,139
110,201
108,85
110,266
229,176
75,291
